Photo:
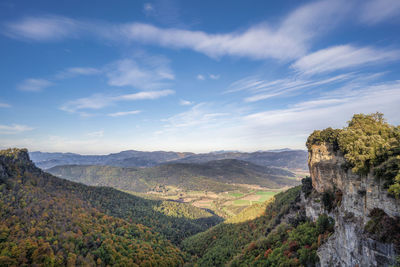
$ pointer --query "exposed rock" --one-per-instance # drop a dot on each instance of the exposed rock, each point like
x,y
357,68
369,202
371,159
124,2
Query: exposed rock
x,y
349,245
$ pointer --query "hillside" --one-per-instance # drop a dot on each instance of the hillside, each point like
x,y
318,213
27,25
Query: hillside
x,y
47,220
290,159
215,176
129,158
275,233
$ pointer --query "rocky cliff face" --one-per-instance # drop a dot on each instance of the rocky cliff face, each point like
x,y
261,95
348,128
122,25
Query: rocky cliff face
x,y
358,195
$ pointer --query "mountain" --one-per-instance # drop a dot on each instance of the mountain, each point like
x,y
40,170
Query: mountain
x,y
129,158
294,159
215,176
291,159
47,221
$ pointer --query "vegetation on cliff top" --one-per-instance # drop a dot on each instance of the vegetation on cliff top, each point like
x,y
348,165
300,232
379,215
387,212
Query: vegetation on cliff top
x,y
368,142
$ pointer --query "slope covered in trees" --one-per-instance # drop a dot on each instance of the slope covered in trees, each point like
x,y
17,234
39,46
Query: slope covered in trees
x,y
275,233
215,176
49,221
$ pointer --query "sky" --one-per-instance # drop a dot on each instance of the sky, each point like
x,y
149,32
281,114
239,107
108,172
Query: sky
x,y
96,77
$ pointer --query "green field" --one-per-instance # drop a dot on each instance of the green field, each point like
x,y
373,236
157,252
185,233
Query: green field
x,y
242,202
235,194
265,195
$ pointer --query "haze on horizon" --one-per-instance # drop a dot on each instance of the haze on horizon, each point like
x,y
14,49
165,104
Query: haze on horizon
x,y
197,77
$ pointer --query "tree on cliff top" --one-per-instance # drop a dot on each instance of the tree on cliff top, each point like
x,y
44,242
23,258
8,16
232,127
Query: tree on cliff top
x,y
367,142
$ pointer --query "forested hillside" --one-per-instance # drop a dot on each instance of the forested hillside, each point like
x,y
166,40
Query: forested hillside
x,y
275,233
50,221
214,176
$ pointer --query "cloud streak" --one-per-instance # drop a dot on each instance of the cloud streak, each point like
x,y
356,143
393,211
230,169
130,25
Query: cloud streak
x,y
34,85
14,129
147,73
377,11
288,39
124,113
99,101
343,57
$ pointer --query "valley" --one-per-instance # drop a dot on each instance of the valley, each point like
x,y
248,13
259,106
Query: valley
x,y
225,187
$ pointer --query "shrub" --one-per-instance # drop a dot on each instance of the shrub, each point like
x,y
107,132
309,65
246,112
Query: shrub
x,y
325,224
383,228
328,200
306,186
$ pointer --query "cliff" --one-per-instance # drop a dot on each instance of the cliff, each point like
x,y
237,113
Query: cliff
x,y
351,198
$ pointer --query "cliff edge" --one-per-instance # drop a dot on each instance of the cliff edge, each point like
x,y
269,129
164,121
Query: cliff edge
x,y
366,214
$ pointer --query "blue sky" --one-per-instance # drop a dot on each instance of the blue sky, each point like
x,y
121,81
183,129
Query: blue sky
x,y
93,77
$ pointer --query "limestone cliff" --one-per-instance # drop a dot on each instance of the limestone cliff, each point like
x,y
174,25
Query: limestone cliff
x,y
355,197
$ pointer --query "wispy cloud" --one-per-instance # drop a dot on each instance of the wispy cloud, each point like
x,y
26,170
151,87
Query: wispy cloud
x,y
148,9
14,129
343,57
34,85
183,102
47,28
99,101
148,73
303,117
124,113
76,71
200,77
288,39
4,105
261,89
214,76
199,114
375,11
96,134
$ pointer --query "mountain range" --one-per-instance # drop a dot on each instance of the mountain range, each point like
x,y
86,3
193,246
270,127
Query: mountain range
x,y
291,159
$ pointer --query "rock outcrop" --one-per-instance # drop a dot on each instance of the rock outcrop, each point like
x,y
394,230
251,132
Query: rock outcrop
x,y
356,196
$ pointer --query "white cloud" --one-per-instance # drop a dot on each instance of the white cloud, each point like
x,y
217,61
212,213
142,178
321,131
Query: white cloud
x,y
199,114
375,11
4,105
200,77
148,9
261,89
214,76
14,129
332,110
342,57
183,102
287,39
124,113
145,74
96,134
76,71
47,28
34,85
99,101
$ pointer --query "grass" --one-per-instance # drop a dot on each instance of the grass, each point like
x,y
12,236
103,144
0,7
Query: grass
x,y
234,194
242,202
265,195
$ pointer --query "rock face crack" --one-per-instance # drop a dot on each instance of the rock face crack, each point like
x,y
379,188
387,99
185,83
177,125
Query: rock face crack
x,y
349,245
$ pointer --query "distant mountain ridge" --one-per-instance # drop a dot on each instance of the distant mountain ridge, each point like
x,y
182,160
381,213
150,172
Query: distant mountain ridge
x,y
216,176
284,158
